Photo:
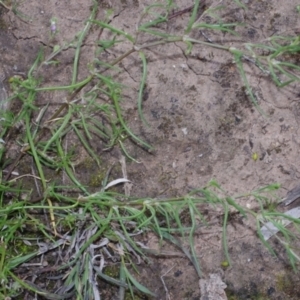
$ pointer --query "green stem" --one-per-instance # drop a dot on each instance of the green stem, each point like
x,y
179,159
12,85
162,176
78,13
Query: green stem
x,y
80,41
67,87
34,153
217,46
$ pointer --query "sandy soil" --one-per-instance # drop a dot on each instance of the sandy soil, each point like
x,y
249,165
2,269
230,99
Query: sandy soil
x,y
202,126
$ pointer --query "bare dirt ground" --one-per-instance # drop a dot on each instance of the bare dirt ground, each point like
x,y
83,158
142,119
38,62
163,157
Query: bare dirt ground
x,y
202,126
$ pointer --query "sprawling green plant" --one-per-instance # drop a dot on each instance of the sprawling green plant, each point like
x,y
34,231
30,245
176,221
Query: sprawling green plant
x,y
93,229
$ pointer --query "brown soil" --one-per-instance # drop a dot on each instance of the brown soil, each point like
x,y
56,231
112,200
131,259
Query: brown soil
x,y
202,126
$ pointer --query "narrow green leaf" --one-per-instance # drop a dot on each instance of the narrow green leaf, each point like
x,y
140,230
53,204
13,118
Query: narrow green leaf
x,y
139,286
193,17
142,86
115,30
